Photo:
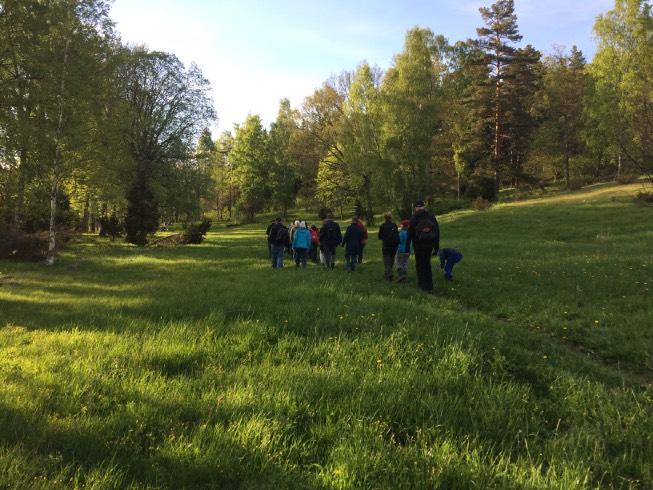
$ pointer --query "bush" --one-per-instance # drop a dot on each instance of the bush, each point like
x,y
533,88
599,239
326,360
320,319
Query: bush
x,y
644,198
480,186
443,206
14,244
480,204
627,178
194,232
111,227
142,218
575,184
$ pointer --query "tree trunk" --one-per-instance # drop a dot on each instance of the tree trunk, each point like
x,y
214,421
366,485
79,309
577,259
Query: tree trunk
x,y
458,185
619,166
86,219
497,128
369,211
56,164
566,171
20,200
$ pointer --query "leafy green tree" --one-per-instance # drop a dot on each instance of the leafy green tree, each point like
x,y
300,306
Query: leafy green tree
x,y
335,189
252,166
321,121
561,105
623,72
523,80
468,124
411,92
283,174
361,135
224,175
167,107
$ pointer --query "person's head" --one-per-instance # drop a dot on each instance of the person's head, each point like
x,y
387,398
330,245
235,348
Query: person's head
x,y
278,220
296,223
405,223
313,227
388,216
419,206
355,220
329,217
302,224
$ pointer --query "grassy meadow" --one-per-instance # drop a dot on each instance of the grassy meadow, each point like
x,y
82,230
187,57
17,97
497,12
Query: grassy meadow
x,y
201,367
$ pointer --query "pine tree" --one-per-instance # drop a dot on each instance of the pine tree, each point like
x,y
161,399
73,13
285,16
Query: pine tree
x,y
496,40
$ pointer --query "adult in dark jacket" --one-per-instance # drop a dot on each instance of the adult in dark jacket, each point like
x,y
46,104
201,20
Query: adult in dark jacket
x,y
271,232
353,243
363,229
424,234
389,235
280,240
330,238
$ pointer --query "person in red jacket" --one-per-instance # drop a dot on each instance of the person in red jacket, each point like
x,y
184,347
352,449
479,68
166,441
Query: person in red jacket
x,y
360,224
315,243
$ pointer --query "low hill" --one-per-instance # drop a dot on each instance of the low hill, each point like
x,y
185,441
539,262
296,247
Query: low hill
x,y
201,366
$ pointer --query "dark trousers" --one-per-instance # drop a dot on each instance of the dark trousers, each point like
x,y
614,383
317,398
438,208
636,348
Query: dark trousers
x,y
300,257
312,253
350,262
389,264
277,256
448,266
360,255
423,268
329,252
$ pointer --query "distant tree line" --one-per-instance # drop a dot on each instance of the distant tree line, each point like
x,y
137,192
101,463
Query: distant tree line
x,y
92,129
450,121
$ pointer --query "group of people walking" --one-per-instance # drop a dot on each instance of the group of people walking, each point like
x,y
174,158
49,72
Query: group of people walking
x,y
420,234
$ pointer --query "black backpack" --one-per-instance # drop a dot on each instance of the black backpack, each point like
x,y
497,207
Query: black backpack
x,y
425,231
393,236
282,238
331,233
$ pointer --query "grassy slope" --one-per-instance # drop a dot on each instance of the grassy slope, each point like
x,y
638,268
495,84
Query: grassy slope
x,y
201,366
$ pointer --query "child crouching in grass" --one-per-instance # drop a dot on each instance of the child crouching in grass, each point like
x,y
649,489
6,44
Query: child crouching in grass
x,y
448,258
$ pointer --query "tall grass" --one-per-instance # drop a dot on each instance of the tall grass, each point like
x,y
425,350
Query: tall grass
x,y
202,367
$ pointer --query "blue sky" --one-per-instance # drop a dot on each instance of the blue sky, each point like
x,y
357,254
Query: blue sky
x,y
256,52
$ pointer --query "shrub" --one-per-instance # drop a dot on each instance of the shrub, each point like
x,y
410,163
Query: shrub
x,y
626,178
644,198
194,232
142,218
443,206
14,244
480,204
111,227
575,184
204,226
480,186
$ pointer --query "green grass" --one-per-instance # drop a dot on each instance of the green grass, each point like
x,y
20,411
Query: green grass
x,y
201,367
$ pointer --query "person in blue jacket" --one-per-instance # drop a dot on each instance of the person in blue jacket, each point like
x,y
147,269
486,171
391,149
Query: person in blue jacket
x,y
448,258
353,243
301,243
403,253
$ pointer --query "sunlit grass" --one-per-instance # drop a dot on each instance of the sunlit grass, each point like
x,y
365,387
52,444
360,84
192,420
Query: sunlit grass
x,y
202,367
